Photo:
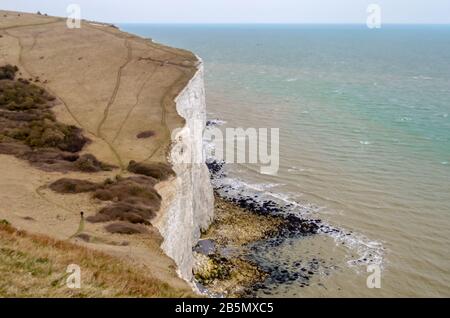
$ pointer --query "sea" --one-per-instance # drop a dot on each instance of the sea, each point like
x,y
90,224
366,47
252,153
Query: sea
x,y
364,146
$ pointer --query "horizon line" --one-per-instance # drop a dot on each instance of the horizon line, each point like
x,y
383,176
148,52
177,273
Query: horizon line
x,y
283,23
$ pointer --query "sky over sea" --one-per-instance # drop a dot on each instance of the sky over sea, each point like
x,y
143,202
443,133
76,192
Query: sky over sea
x,y
238,11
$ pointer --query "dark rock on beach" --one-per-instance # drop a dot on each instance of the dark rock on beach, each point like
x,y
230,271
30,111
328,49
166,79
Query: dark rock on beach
x,y
205,247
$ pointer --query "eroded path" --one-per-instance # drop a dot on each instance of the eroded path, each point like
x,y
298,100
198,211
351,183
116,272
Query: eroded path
x,y
116,87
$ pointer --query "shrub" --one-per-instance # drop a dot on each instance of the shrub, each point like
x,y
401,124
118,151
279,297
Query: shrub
x,y
8,71
52,137
89,163
66,185
5,222
145,134
121,211
156,170
73,140
103,195
126,228
21,133
21,96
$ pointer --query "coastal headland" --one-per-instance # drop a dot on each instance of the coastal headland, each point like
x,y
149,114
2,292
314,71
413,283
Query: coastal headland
x,y
94,123
86,117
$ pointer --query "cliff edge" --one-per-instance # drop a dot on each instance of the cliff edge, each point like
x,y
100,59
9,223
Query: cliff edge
x,y
135,102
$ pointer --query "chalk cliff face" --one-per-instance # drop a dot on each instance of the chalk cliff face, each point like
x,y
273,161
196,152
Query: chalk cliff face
x,y
188,200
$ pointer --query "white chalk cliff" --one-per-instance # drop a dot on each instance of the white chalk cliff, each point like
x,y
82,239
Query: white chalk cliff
x,y
188,200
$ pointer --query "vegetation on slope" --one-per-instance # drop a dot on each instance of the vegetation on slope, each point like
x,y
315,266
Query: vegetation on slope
x,y
35,266
30,131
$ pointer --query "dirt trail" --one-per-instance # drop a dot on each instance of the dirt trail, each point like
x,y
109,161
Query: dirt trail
x,y
165,101
98,133
116,88
30,24
141,89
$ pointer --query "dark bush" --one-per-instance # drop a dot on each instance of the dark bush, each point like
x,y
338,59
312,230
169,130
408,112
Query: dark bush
x,y
146,134
8,72
84,237
21,96
126,228
133,190
14,149
158,170
73,140
123,212
89,163
104,195
67,185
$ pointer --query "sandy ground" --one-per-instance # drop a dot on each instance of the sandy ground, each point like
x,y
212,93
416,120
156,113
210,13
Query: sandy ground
x,y
114,86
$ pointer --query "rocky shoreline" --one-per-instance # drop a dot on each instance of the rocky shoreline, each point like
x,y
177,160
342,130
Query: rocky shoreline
x,y
244,225
221,266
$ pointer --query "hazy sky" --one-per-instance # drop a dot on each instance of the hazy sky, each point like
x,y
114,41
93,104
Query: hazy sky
x,y
242,11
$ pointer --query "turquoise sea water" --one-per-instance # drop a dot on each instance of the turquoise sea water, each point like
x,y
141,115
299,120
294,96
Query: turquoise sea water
x,y
364,136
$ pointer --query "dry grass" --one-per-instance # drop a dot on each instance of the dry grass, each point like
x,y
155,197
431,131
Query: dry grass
x,y
126,228
35,266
